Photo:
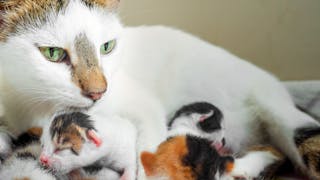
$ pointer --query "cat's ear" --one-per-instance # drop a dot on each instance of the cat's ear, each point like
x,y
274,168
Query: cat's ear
x,y
109,4
227,164
148,160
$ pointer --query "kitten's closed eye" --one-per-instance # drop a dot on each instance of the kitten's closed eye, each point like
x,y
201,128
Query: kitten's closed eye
x,y
71,131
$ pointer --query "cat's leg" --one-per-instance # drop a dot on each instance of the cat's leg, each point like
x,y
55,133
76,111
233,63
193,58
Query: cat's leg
x,y
153,133
259,162
281,119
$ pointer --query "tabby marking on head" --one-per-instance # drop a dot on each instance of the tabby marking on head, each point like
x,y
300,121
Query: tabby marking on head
x,y
70,131
35,12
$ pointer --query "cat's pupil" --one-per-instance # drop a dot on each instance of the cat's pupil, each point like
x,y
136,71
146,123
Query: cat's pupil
x,y
51,51
106,45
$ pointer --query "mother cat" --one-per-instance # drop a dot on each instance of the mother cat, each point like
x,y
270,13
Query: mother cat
x,y
61,55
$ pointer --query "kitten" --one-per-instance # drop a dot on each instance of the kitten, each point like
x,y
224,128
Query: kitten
x,y
192,158
73,141
24,162
200,119
50,63
204,120
186,157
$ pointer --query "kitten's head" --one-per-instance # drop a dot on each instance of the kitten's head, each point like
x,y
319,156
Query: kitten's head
x,y
201,119
61,52
65,140
186,157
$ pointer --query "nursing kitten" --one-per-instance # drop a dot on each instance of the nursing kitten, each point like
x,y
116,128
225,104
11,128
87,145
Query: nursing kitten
x,y
186,157
201,119
73,141
204,120
49,62
192,158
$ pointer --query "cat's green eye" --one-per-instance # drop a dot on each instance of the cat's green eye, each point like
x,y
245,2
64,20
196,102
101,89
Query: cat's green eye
x,y
107,47
53,54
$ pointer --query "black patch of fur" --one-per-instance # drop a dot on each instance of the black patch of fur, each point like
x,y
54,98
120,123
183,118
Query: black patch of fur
x,y
204,160
94,168
302,134
211,124
78,118
305,159
26,155
25,139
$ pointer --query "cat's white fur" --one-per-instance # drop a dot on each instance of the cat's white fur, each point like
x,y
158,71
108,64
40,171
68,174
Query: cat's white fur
x,y
117,150
160,69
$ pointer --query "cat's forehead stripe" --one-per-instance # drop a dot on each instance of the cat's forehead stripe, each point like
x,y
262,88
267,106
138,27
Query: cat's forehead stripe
x,y
86,51
35,12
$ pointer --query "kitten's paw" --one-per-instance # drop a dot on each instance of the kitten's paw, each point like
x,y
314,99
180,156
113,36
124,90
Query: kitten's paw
x,y
5,146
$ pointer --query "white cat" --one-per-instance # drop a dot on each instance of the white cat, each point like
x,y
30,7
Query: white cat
x,y
58,55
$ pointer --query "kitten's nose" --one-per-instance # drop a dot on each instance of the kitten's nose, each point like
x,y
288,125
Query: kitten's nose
x,y
95,95
44,160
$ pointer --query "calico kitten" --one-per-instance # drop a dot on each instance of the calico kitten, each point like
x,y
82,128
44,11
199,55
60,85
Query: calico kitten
x,y
186,157
75,142
200,119
192,158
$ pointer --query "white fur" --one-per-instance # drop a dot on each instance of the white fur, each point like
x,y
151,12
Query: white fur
x,y
160,69
17,168
253,163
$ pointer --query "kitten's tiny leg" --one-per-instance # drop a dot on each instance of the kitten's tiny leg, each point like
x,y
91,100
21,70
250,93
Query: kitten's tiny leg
x,y
5,145
259,162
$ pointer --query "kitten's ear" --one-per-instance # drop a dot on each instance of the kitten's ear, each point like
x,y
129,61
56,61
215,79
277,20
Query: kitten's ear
x,y
148,160
92,135
227,164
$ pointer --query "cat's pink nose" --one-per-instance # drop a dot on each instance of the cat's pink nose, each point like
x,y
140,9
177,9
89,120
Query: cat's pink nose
x,y
95,95
44,160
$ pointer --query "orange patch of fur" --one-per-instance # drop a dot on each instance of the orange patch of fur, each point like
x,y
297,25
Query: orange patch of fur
x,y
89,80
229,167
35,131
23,178
167,160
20,12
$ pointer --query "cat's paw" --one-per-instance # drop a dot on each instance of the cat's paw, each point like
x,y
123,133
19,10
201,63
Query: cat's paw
x,y
5,146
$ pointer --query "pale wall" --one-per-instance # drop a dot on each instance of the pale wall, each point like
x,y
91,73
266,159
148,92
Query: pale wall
x,y
282,36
